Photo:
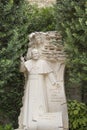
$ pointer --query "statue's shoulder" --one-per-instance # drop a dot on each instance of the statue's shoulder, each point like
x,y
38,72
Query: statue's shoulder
x,y
28,61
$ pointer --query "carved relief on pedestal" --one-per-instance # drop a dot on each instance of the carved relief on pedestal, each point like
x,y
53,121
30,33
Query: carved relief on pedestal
x,y
44,89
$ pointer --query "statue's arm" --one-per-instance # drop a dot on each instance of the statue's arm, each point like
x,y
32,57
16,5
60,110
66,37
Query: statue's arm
x,y
22,65
53,80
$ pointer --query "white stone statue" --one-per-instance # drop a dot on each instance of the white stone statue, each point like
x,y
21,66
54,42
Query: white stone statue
x,y
44,102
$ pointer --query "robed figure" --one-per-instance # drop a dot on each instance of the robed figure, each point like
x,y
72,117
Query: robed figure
x,y
44,105
35,95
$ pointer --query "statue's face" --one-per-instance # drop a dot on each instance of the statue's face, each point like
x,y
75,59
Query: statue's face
x,y
35,54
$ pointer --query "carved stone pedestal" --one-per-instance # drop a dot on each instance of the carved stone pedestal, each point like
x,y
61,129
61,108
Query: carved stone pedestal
x,y
50,121
44,101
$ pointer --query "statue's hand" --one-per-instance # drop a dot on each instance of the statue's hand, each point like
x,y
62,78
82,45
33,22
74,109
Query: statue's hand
x,y
22,59
56,84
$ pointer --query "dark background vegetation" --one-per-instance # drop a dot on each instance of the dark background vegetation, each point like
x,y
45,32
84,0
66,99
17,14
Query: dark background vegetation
x,y
17,20
71,22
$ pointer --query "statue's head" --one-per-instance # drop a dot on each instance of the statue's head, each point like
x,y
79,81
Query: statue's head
x,y
35,54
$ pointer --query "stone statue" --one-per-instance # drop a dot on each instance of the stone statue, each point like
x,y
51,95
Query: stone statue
x,y
44,101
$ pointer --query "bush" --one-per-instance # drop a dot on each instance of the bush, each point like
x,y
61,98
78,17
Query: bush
x,y
77,115
13,42
6,127
71,17
17,20
41,19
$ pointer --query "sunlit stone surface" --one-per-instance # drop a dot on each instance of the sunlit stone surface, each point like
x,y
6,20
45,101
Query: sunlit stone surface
x,y
44,101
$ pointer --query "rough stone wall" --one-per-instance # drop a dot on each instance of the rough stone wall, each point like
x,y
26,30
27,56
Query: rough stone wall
x,y
43,3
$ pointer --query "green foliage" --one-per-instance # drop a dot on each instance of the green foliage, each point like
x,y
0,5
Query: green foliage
x,y
13,43
77,115
42,19
6,127
71,16
17,20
